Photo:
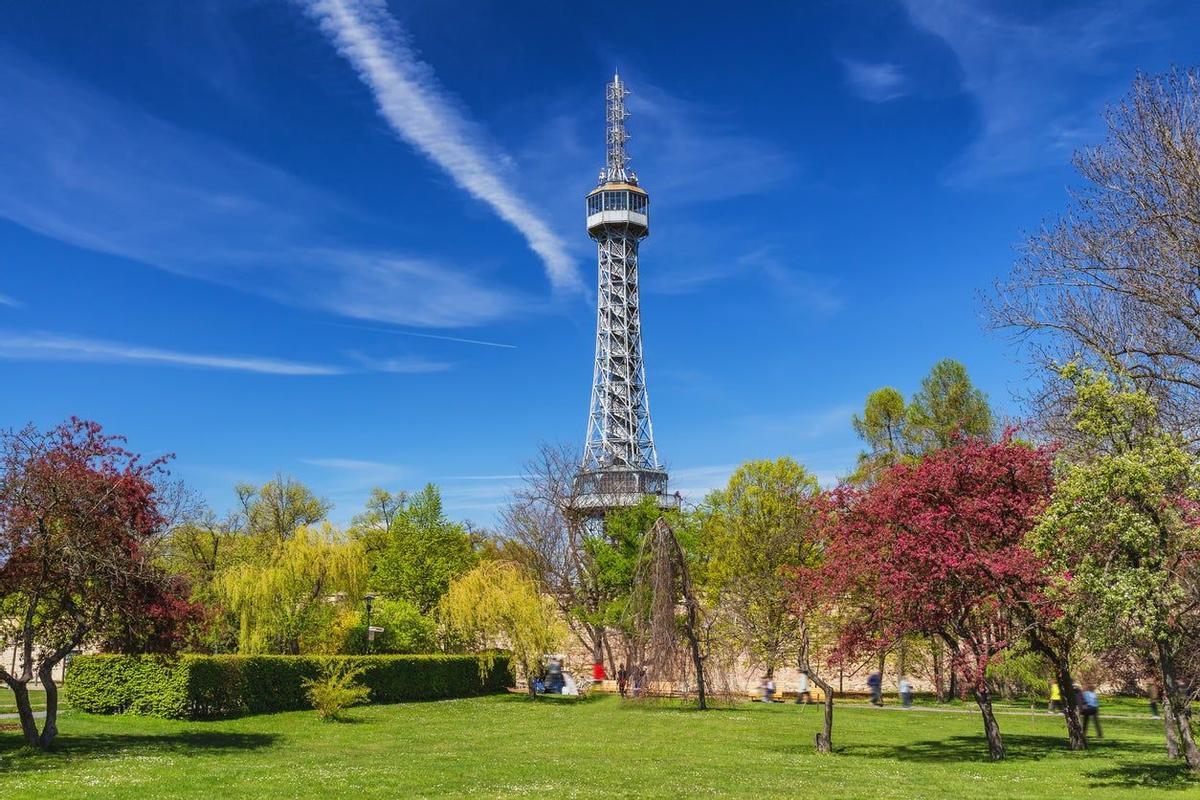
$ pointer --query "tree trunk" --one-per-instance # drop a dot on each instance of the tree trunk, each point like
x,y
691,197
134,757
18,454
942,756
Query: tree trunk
x,y
1070,709
50,724
1177,708
20,690
1171,729
939,678
990,726
697,661
685,585
825,737
1058,658
529,684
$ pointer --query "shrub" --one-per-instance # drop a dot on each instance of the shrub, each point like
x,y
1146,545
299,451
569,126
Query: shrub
x,y
337,689
405,630
194,687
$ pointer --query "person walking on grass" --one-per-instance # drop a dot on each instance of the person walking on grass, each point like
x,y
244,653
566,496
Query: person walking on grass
x,y
1055,703
622,680
875,684
1091,710
1154,694
803,693
905,692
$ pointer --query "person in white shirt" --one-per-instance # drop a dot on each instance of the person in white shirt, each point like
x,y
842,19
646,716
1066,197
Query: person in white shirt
x,y
803,693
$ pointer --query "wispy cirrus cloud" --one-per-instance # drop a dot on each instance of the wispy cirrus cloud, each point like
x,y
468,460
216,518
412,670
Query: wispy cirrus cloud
x,y
10,302
815,293
1038,79
699,153
97,173
55,347
399,364
417,108
877,82
436,336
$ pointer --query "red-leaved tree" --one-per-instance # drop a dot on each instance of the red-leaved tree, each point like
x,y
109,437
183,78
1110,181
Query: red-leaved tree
x,y
937,549
78,514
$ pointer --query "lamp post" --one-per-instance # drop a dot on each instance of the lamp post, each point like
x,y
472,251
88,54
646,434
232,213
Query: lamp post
x,y
370,598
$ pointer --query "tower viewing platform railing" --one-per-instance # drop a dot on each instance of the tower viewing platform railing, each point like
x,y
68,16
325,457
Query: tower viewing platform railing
x,y
603,489
619,204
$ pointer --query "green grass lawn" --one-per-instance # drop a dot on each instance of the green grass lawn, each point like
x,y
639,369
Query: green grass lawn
x,y
507,746
8,704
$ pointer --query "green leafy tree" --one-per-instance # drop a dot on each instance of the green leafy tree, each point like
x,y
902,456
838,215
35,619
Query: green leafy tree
x,y
1123,536
405,629
613,558
947,406
497,605
280,507
882,426
425,551
752,538
289,603
375,523
200,551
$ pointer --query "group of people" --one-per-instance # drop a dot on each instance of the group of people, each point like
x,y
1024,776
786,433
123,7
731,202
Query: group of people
x,y
554,679
875,684
1088,703
624,676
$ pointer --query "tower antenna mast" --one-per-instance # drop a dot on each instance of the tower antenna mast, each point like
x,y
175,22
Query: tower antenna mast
x,y
620,464
616,168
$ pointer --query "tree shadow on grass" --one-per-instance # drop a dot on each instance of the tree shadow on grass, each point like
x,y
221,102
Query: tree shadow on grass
x,y
1144,775
1017,747
68,748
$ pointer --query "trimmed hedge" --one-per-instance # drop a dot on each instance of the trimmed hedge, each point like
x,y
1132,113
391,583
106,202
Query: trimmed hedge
x,y
195,687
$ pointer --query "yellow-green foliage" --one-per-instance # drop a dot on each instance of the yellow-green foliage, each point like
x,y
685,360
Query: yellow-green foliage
x,y
336,689
496,605
751,532
289,603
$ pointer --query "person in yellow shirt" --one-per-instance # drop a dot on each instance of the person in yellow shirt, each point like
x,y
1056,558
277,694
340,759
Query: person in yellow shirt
x,y
1055,698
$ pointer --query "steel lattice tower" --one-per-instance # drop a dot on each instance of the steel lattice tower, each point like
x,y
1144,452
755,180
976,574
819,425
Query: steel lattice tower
x,y
620,465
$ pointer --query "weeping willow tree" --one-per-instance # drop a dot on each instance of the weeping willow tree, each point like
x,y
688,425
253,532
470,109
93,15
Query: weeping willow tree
x,y
497,605
288,603
664,619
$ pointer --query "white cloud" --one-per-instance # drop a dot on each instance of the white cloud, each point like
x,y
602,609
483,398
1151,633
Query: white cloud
x,y
439,337
96,173
52,347
11,302
815,293
416,107
356,474
388,288
1038,84
877,82
399,364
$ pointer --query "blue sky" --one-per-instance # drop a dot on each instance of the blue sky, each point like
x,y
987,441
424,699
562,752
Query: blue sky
x,y
344,239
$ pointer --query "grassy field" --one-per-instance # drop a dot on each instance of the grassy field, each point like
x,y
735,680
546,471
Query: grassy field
x,y
8,704
509,747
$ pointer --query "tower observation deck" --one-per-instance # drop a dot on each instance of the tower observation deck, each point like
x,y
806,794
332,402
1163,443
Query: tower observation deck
x,y
620,465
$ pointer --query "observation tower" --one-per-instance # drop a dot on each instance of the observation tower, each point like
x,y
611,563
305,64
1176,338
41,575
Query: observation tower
x,y
620,465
